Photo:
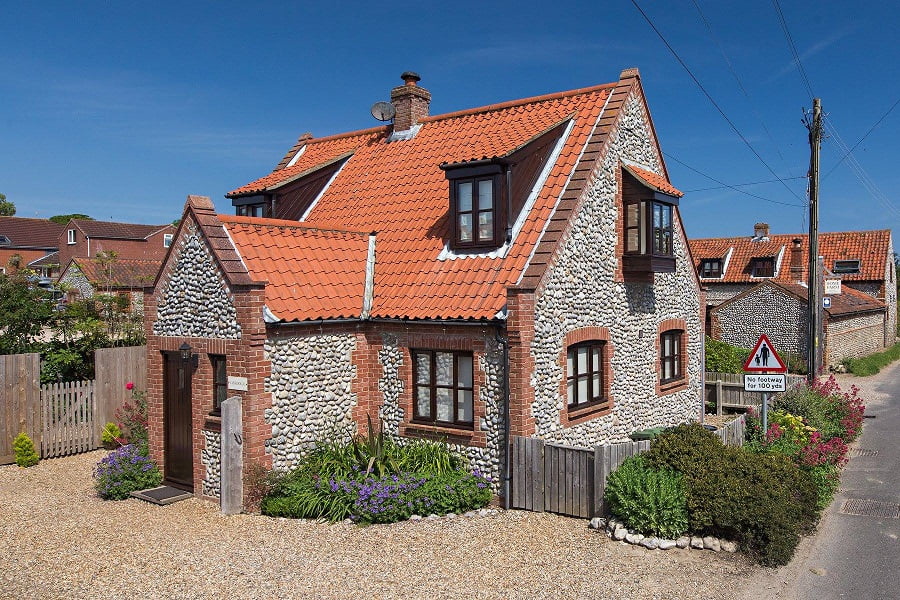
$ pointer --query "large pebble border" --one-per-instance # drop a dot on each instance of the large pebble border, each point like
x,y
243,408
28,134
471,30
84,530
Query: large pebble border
x,y
616,530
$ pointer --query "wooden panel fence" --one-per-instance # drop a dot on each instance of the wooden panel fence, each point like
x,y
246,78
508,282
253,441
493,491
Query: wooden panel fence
x,y
69,411
572,481
726,390
64,418
20,376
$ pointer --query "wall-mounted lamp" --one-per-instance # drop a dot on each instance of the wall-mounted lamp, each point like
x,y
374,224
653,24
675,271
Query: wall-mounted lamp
x,y
185,351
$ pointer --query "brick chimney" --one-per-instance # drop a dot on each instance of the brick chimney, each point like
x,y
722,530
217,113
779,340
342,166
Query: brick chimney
x,y
761,230
797,267
411,102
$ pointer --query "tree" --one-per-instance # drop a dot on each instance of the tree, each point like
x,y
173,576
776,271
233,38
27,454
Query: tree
x,y
63,219
7,208
25,309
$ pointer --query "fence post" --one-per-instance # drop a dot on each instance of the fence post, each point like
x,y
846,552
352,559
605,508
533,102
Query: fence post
x,y
231,490
719,398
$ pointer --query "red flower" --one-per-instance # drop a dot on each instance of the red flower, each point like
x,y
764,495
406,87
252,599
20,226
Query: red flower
x,y
129,385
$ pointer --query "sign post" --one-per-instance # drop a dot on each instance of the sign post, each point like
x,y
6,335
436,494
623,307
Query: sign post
x,y
762,362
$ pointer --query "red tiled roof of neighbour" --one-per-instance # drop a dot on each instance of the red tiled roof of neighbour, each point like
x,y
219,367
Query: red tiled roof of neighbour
x,y
397,189
849,301
654,181
49,260
122,273
310,273
30,233
121,231
870,247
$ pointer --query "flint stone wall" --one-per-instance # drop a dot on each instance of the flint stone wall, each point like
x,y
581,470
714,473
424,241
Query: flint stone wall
x,y
768,310
581,291
211,458
489,459
196,301
854,337
77,280
312,394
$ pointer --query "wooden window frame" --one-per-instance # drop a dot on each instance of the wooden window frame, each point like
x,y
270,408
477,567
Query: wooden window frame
x,y
249,210
757,262
675,360
214,360
596,400
706,272
433,387
473,174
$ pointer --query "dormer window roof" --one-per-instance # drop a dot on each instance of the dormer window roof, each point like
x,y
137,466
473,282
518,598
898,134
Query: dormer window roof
x,y
846,266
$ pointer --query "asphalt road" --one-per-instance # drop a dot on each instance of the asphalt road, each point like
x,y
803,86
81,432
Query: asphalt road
x,y
854,555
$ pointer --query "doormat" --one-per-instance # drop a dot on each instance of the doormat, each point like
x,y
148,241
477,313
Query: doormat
x,y
162,495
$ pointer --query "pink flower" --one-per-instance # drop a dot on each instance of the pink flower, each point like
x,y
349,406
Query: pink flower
x,y
129,385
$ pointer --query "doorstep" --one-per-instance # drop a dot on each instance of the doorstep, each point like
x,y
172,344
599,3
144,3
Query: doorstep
x,y
162,495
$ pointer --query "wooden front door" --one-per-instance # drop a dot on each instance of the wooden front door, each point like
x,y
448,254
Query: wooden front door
x,y
178,451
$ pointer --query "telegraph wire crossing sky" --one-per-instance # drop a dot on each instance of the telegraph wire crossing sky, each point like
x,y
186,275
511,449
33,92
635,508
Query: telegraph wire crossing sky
x,y
120,113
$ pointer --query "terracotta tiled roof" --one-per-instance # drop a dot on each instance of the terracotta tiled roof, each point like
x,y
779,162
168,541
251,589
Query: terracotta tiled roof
x,y
870,247
849,301
654,181
123,273
111,230
31,233
310,273
398,190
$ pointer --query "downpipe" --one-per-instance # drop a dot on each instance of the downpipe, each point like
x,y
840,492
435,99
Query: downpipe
x,y
506,475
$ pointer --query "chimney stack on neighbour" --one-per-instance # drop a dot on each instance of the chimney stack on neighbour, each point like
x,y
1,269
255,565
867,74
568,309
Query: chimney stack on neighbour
x,y
761,231
411,102
797,268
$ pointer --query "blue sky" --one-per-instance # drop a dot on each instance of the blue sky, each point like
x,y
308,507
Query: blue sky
x,y
120,110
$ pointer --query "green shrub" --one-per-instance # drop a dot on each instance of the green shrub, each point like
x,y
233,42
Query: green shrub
x,y
724,358
111,434
649,501
23,447
818,410
764,501
125,470
827,479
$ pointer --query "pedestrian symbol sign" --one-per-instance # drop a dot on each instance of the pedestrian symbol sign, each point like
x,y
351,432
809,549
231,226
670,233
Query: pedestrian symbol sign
x,y
764,358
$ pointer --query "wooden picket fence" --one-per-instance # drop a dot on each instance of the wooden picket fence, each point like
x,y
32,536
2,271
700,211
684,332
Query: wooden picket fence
x,y
64,418
69,427
571,481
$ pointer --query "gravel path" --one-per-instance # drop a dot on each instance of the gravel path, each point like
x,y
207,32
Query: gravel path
x,y
61,541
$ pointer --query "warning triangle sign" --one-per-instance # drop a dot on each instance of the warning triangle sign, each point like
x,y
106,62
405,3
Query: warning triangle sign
x,y
764,358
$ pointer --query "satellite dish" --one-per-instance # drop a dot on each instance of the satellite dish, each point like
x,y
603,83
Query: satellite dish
x,y
383,111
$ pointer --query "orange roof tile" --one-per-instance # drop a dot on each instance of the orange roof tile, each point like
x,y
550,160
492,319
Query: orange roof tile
x,y
654,181
311,273
848,302
397,189
870,247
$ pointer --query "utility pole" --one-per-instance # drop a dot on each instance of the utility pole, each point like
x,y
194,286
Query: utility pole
x,y
814,317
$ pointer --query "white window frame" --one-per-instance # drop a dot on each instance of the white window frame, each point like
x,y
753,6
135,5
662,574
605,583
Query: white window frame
x,y
167,239
71,238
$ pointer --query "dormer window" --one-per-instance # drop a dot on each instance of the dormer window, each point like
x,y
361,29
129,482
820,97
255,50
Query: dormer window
x,y
648,227
250,206
476,211
848,267
71,236
711,268
763,266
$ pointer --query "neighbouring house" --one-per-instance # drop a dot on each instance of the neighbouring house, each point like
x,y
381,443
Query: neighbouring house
x,y
518,269
30,243
758,284
135,254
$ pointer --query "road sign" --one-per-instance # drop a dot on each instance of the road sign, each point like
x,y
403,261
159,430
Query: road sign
x,y
765,383
826,302
763,358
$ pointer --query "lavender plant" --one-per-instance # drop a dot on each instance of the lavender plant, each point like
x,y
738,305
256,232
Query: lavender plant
x,y
123,471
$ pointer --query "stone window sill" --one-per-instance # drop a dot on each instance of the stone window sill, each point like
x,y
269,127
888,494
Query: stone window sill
x,y
673,386
586,413
438,432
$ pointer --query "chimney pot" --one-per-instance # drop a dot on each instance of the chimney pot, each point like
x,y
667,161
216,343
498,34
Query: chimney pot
x,y
410,77
761,230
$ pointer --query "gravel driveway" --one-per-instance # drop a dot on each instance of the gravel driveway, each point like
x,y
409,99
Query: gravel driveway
x,y
61,541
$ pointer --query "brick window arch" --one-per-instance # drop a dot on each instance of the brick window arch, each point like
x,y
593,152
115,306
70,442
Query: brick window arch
x,y
585,359
671,356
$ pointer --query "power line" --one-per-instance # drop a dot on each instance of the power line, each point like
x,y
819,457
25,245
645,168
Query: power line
x,y
790,39
860,141
731,187
716,105
734,74
722,187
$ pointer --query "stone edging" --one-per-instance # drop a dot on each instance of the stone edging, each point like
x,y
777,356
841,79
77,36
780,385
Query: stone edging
x,y
616,530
